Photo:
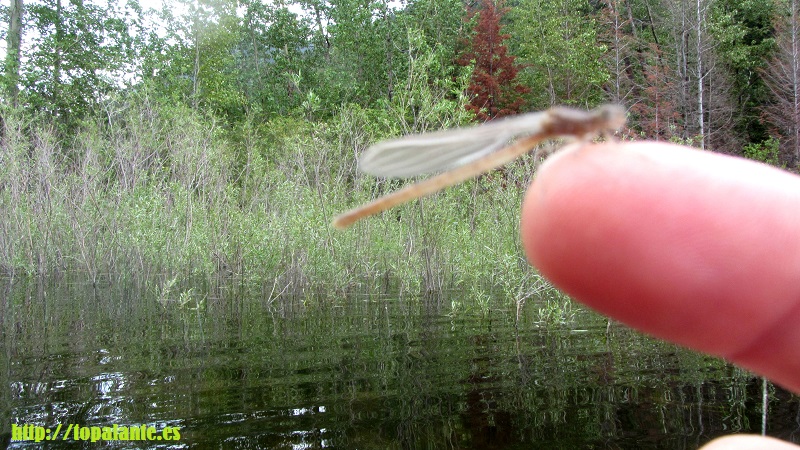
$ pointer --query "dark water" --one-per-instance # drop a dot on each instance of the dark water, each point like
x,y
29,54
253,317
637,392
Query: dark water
x,y
357,373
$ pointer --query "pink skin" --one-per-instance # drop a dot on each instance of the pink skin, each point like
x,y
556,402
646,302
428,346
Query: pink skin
x,y
693,247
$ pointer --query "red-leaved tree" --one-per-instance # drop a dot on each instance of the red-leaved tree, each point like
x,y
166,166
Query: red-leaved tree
x,y
493,91
656,108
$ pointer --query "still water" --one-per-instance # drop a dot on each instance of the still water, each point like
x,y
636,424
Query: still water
x,y
228,370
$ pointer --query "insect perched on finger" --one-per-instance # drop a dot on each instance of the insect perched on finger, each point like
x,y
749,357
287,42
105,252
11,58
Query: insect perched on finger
x,y
464,153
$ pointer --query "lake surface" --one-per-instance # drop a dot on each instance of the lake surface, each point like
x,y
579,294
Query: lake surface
x,y
232,370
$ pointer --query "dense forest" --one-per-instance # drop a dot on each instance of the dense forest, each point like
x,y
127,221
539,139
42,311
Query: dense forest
x,y
219,137
718,74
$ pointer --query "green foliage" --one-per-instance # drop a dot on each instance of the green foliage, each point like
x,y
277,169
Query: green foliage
x,y
198,67
224,148
442,26
743,31
359,64
766,152
252,61
273,58
426,100
74,52
557,44
557,310
155,193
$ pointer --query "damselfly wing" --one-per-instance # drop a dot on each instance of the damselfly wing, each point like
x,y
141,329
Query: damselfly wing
x,y
465,153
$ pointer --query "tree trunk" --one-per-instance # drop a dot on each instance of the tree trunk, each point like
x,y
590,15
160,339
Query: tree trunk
x,y
700,75
795,74
13,46
196,70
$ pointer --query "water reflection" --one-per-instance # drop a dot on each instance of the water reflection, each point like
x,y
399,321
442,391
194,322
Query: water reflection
x,y
360,373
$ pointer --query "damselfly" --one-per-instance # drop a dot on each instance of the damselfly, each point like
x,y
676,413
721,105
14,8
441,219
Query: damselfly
x,y
464,153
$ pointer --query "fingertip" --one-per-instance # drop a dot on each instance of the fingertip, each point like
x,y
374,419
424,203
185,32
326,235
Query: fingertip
x,y
683,244
748,442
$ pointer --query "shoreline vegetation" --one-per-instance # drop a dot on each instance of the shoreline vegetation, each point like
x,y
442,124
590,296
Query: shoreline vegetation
x,y
151,194
214,143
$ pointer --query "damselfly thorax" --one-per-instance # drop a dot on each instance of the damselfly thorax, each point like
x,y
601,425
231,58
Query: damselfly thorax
x,y
464,153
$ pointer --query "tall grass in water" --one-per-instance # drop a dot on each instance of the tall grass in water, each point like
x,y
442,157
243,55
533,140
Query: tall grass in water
x,y
152,193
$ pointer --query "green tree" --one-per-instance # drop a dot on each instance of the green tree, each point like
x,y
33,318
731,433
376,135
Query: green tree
x,y
442,25
743,30
767,152
198,66
275,58
366,38
556,43
426,101
77,54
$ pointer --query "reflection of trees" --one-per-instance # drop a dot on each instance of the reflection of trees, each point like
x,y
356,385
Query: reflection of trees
x,y
366,373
